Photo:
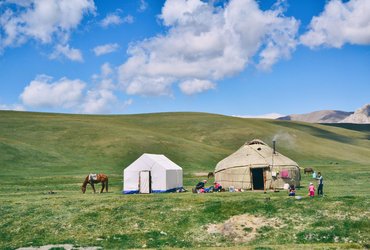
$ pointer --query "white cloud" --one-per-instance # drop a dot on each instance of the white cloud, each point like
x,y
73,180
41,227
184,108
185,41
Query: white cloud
x,y
105,49
128,103
116,19
338,24
41,20
207,43
101,98
64,50
16,107
128,19
142,85
111,19
196,86
42,92
98,101
73,95
143,5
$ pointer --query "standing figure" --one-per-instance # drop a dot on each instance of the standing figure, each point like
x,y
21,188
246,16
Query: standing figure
x,y
320,183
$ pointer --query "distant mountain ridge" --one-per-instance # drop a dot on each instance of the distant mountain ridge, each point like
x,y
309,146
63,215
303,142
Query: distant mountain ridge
x,y
361,116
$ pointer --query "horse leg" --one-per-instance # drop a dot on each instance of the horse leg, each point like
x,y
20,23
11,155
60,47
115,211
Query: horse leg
x,y
102,187
106,186
92,185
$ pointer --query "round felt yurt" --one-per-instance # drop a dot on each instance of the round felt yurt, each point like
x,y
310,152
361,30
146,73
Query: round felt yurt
x,y
257,166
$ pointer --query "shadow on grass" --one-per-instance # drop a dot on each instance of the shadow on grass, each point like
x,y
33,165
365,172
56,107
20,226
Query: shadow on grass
x,y
322,133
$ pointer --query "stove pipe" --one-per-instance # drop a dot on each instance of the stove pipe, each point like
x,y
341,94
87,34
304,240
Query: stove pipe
x,y
274,147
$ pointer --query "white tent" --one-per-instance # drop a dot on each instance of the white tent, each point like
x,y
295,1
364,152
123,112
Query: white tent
x,y
152,173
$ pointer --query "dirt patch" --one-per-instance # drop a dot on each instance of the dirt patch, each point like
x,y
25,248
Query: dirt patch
x,y
243,228
200,174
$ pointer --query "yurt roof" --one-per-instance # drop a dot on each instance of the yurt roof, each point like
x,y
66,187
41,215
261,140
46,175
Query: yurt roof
x,y
254,153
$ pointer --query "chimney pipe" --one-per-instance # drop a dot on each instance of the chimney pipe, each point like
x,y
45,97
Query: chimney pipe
x,y
274,146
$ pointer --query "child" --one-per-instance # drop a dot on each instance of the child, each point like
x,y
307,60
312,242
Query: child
x,y
311,190
291,190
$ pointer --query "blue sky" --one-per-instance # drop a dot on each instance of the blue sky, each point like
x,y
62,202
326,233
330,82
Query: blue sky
x,y
236,57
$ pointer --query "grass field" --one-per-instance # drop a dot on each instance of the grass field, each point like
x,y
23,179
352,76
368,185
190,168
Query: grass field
x,y
53,152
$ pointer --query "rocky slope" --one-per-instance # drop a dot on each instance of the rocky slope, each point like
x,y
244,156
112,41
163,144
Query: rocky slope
x,y
362,115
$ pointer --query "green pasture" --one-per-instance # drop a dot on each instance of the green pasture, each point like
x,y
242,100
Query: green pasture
x,y
42,152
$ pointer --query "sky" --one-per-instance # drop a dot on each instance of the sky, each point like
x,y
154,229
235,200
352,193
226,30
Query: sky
x,y
234,57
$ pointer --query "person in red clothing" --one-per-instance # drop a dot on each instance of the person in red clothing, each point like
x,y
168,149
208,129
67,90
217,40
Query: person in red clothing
x,y
217,187
311,190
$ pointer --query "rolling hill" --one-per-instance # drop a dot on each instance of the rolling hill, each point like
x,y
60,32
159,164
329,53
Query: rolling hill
x,y
44,158
44,143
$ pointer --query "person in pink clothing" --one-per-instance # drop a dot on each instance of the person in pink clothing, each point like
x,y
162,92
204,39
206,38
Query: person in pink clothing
x,y
217,187
311,190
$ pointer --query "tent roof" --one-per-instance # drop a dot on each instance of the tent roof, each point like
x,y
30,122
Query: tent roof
x,y
255,153
163,161
151,160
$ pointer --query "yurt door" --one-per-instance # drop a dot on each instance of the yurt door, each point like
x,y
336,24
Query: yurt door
x,y
257,178
145,182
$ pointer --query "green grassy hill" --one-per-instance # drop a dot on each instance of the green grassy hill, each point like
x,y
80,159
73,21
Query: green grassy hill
x,y
40,152
41,143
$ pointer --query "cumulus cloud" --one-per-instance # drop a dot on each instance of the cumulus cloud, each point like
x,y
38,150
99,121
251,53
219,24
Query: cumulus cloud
x,y
116,19
101,98
98,101
75,95
70,53
43,92
196,86
143,5
111,19
205,42
338,24
41,20
105,49
16,107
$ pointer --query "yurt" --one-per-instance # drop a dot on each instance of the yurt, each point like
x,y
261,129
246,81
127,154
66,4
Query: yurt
x,y
152,173
257,166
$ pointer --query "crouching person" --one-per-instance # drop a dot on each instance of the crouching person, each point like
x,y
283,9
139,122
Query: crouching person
x,y
291,191
199,188
217,187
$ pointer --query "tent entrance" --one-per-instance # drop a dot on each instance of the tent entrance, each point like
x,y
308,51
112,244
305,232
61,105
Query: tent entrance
x,y
145,182
258,182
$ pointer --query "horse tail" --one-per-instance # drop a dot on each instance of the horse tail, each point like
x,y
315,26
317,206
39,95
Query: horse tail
x,y
106,187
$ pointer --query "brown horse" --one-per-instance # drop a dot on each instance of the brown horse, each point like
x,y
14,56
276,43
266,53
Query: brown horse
x,y
308,170
92,178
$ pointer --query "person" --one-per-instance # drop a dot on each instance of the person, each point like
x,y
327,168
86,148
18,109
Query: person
x,y
311,190
291,190
201,185
314,175
217,187
320,184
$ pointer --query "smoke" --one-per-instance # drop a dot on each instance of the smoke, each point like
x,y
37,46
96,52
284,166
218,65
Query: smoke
x,y
284,139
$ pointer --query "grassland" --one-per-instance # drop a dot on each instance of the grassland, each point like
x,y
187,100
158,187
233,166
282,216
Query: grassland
x,y
42,152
